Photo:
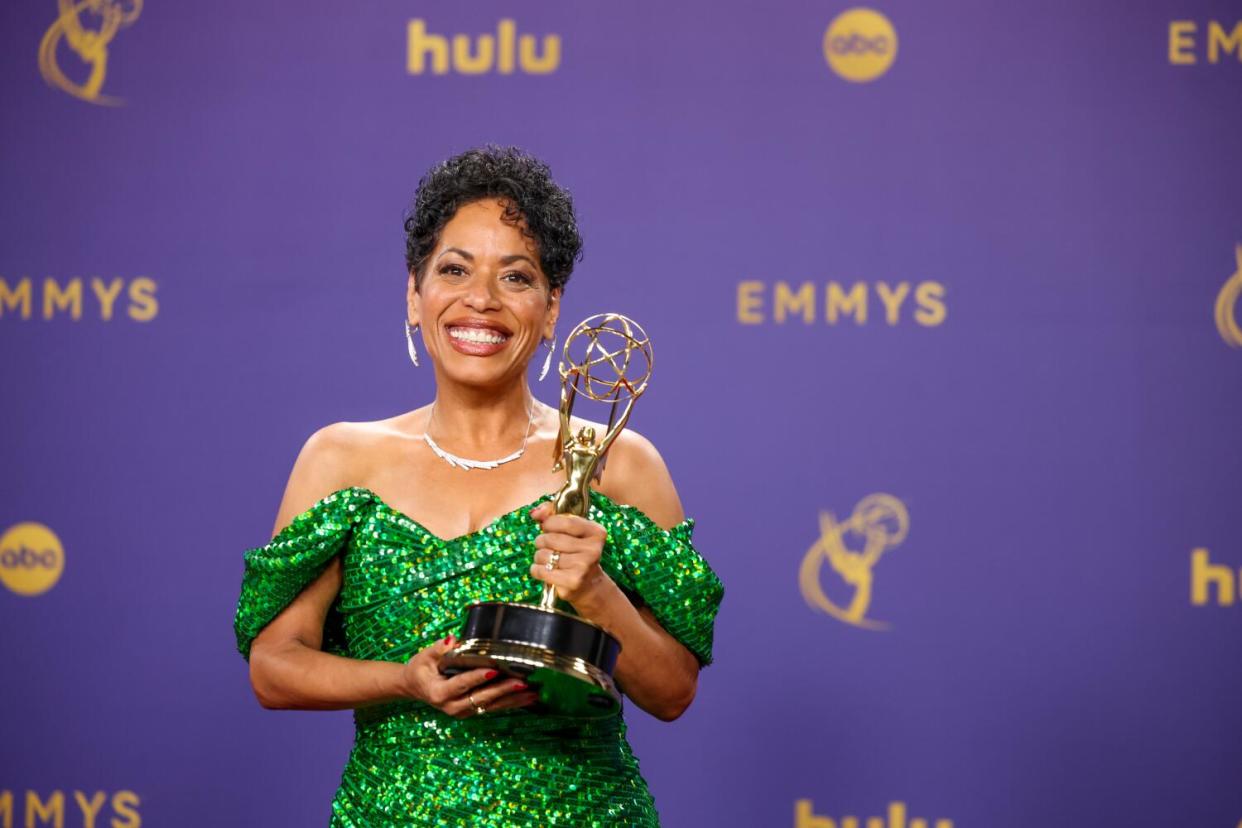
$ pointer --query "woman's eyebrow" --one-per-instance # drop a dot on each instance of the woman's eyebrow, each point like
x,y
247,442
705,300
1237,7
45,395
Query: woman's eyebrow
x,y
510,259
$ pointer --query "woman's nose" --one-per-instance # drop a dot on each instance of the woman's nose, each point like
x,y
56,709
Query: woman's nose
x,y
481,293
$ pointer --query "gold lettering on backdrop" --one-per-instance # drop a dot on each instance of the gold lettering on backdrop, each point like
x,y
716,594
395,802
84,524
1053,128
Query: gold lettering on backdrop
x,y
51,811
805,817
1181,42
532,62
506,33
799,300
749,302
142,304
419,45
11,299
89,808
55,299
106,295
87,26
882,522
1223,40
929,296
1218,41
18,299
1207,577
839,302
1226,305
892,299
505,52
125,806
480,61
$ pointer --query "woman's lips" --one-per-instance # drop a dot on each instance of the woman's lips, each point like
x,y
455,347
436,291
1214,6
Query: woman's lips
x,y
476,341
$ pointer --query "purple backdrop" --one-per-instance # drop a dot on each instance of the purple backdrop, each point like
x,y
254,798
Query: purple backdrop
x,y
1052,402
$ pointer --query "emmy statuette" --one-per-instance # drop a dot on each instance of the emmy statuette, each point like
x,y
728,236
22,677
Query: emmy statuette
x,y
567,659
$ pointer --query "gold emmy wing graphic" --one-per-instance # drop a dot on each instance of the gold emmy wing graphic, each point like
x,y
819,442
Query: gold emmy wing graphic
x,y
88,26
1227,307
882,522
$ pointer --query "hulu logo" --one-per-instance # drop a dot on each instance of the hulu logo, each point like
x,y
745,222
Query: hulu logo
x,y
504,52
1204,574
805,817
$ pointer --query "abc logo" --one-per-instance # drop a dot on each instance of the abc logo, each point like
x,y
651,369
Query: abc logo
x,y
31,558
860,44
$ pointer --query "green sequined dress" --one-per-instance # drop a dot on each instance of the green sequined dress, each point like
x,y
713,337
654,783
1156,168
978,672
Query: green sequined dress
x,y
402,589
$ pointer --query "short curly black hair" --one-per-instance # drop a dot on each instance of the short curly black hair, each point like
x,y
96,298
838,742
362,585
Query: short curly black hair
x,y
537,205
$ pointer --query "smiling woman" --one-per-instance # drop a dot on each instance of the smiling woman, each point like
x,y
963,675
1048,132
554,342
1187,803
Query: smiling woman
x,y
482,293
387,530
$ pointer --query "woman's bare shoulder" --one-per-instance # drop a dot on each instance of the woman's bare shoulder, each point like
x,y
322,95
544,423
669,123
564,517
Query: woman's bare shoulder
x,y
636,474
337,456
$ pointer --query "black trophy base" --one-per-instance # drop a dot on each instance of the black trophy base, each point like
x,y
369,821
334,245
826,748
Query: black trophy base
x,y
566,659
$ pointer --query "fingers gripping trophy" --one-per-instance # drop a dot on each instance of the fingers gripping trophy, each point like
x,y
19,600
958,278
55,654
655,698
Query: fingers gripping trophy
x,y
567,659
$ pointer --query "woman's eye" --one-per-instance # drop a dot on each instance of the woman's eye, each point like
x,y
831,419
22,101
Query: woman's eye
x,y
452,270
519,277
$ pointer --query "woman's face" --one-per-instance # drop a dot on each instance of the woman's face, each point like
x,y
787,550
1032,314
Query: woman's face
x,y
485,303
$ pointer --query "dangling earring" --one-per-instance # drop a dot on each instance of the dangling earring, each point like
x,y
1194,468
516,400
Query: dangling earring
x,y
547,361
409,342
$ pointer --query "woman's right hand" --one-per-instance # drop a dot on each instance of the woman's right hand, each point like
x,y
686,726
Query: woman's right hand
x,y
461,695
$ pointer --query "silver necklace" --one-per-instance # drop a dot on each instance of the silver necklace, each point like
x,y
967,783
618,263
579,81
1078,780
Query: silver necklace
x,y
467,464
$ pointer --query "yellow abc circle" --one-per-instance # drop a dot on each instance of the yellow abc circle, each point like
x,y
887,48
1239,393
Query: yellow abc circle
x,y
860,44
31,558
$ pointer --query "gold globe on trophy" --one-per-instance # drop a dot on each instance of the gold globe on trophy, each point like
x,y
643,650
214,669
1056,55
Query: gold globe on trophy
x,y
567,659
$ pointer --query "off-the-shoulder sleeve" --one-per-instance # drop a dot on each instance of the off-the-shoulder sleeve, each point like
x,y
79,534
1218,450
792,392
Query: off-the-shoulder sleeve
x,y
276,572
665,570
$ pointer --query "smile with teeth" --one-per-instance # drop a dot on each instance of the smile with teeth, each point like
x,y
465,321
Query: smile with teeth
x,y
482,335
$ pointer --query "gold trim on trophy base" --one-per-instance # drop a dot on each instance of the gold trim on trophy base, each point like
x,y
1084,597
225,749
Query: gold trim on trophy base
x,y
566,685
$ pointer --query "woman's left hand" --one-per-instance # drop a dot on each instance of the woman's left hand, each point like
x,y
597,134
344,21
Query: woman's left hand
x,y
574,546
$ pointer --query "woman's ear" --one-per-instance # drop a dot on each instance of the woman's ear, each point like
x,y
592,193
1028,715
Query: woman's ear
x,y
554,312
413,302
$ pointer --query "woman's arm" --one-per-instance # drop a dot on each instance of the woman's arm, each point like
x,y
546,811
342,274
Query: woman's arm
x,y
654,668
288,668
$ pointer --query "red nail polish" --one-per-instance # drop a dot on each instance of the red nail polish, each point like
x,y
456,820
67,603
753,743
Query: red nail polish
x,y
491,674
521,685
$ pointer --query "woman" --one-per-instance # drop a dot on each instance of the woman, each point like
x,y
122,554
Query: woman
x,y
390,528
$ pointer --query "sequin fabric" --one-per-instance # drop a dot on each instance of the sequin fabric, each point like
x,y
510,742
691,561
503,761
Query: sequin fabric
x,y
402,589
